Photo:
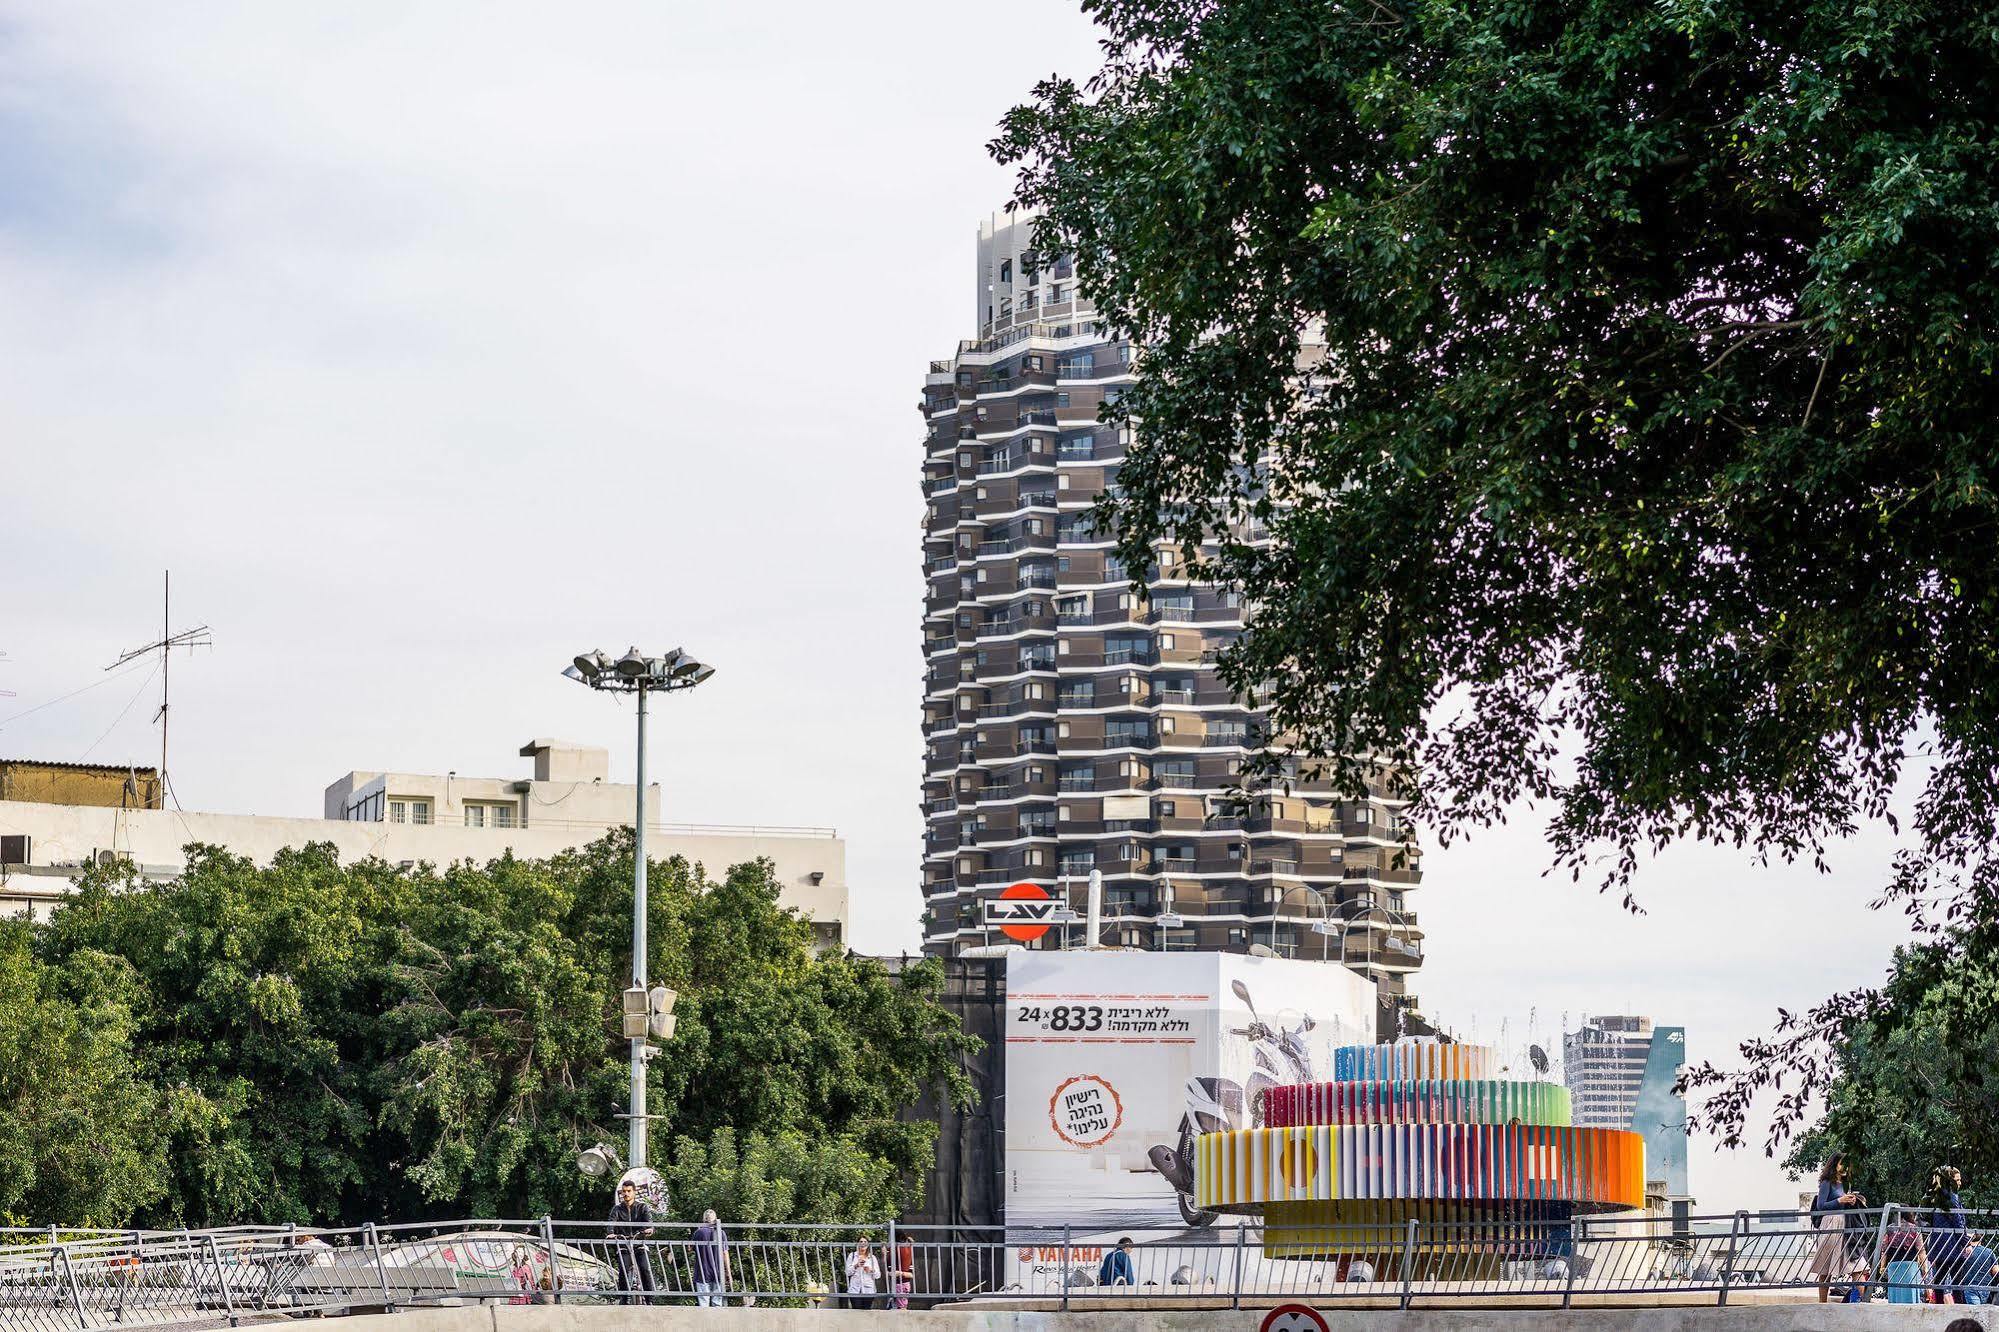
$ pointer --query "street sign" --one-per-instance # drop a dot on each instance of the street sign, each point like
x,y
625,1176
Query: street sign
x,y
1022,911
1293,1318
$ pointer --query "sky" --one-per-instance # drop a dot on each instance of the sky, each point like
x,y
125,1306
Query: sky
x,y
429,346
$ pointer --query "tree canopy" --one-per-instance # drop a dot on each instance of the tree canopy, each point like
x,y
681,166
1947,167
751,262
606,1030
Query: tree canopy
x,y
318,1042
1615,378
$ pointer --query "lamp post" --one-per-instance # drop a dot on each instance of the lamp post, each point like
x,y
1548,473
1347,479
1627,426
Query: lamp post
x,y
636,673
1369,908
1278,910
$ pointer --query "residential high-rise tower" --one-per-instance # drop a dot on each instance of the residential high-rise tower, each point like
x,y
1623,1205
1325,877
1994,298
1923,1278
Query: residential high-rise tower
x,y
1073,723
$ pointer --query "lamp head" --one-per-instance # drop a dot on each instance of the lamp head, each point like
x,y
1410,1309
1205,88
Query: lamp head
x,y
590,665
632,665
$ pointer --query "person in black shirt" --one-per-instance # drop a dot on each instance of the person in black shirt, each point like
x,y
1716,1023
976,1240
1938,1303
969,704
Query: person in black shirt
x,y
631,1222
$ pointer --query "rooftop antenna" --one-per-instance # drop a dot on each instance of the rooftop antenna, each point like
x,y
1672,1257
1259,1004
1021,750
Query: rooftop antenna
x,y
164,645
5,693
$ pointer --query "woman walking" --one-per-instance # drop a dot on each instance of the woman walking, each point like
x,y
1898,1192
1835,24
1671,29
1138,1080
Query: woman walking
x,y
1830,1262
1947,1234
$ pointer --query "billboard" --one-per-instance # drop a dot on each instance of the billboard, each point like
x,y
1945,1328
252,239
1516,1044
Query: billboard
x,y
1115,1061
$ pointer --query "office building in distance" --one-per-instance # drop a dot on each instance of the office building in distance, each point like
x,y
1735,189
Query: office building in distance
x,y
1620,1072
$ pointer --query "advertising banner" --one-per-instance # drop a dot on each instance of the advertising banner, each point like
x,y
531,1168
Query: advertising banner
x,y
1116,1061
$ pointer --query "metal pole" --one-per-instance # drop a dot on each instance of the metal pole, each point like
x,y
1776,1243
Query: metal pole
x,y
1065,1267
636,1143
1728,1255
1575,1256
75,1291
1880,1278
221,1279
1408,1259
381,1269
554,1272
1235,1294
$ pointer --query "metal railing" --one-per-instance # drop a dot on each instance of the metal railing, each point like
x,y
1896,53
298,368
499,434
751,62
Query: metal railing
x,y
99,1279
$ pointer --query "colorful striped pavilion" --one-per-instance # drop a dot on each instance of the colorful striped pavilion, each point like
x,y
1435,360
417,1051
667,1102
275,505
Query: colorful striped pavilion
x,y
1490,1169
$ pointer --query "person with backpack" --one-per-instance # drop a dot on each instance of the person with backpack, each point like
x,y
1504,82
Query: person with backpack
x,y
1831,1260
1905,1261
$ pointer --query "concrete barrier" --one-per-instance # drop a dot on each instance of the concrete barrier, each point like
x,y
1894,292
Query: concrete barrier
x,y
1814,1317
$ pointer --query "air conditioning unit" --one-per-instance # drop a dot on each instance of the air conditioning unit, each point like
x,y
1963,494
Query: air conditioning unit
x,y
15,848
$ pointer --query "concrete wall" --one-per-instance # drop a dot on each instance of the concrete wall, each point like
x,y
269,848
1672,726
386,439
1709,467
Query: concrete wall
x,y
66,836
80,784
1762,1318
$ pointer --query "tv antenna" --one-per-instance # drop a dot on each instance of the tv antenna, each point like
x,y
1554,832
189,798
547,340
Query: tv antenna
x,y
5,693
164,645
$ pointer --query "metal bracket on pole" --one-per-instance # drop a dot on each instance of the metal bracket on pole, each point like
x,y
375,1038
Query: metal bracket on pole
x,y
1066,1258
1235,1291
69,1281
381,1269
1408,1259
1728,1255
221,1279
554,1272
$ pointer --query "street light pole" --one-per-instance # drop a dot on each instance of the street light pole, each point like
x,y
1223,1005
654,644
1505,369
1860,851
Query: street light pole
x,y
636,1142
646,1011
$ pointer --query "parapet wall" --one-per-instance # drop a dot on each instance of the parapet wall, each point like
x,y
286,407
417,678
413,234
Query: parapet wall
x,y
1877,1317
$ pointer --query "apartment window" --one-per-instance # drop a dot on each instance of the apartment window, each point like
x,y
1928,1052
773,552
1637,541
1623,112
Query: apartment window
x,y
1062,564
1034,527
1006,270
1062,481
1034,774
409,811
1166,725
1056,294
1166,642
1167,809
1061,400
1033,365
484,814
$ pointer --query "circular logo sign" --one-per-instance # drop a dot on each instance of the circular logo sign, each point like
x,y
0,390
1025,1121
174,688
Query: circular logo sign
x,y
1085,1111
1021,922
1293,1318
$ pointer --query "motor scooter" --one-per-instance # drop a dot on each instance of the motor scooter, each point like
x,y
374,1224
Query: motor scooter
x,y
1278,1056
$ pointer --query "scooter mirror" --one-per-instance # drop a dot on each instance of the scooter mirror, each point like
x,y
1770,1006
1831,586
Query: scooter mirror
x,y
1241,991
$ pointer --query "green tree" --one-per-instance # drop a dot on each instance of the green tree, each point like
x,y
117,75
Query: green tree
x,y
80,1130
1916,1085
1616,378
343,1042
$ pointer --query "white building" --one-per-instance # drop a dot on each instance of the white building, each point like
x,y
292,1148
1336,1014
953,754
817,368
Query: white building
x,y
411,818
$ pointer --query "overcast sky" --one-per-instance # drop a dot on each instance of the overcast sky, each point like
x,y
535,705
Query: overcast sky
x,y
429,345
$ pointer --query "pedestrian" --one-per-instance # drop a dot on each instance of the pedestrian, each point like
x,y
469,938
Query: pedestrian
x,y
631,1226
711,1262
1831,1261
864,1274
1116,1269
1975,1270
903,1279
1905,1262
1947,1232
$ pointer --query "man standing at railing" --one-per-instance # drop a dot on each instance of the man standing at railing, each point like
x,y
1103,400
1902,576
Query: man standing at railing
x,y
711,1261
631,1226
1116,1268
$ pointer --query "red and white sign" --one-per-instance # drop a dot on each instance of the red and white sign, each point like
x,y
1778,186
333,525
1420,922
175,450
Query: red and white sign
x,y
1293,1318
1023,911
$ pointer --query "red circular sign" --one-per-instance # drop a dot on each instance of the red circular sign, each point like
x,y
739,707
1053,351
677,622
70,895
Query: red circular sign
x,y
1030,892
1293,1318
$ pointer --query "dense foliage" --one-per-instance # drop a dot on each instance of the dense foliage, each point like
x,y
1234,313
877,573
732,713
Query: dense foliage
x,y
313,1041
1647,464
1916,1086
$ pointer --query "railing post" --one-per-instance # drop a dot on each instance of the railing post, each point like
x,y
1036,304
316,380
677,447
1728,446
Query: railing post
x,y
888,1269
1575,1256
1728,1255
381,1268
221,1279
1065,1267
554,1272
1241,1236
69,1281
1875,1276
1408,1259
